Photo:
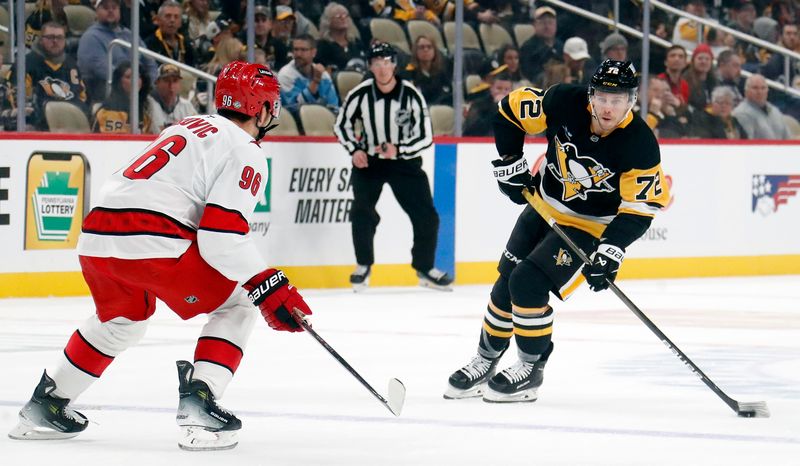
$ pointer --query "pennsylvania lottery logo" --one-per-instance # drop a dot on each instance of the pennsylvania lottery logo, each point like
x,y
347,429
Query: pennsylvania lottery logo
x,y
772,191
54,204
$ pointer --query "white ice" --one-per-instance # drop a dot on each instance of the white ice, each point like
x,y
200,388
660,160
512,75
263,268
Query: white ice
x,y
613,394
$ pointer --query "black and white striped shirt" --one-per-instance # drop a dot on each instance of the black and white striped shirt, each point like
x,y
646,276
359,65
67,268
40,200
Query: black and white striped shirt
x,y
399,117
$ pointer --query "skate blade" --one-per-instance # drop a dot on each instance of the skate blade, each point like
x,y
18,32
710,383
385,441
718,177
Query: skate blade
x,y
453,393
26,430
525,396
360,287
199,439
426,284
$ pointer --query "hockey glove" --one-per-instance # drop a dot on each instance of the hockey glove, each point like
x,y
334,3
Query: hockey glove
x,y
512,176
271,292
604,267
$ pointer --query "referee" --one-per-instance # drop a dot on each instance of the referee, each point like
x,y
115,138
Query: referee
x,y
395,128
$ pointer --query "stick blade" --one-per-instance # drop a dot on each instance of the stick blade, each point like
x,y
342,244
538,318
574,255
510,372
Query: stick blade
x,y
753,409
397,396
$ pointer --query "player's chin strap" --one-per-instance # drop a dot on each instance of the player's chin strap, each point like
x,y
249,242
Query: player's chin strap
x,y
263,130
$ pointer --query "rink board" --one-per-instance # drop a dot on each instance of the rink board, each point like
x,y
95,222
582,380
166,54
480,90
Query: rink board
x,y
718,223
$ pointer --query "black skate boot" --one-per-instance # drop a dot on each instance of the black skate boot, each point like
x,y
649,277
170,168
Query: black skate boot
x,y
519,382
470,381
435,279
360,277
205,425
46,417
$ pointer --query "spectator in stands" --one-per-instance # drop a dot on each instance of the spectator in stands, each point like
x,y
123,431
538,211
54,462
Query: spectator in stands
x,y
482,111
45,11
766,29
717,122
113,116
165,104
784,12
430,72
283,30
51,74
147,15
166,40
700,78
543,46
197,17
663,106
406,10
729,67
274,51
688,33
93,49
759,118
614,47
673,73
555,72
206,44
577,58
339,47
228,50
305,82
508,55
773,69
284,8
741,16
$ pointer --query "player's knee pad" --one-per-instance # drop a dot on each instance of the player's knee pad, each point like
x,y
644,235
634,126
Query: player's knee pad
x,y
500,295
508,262
114,336
529,285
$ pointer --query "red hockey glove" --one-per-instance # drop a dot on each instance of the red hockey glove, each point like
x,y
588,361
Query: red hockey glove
x,y
271,292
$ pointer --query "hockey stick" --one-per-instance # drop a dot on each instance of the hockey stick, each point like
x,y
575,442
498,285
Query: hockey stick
x,y
750,409
397,391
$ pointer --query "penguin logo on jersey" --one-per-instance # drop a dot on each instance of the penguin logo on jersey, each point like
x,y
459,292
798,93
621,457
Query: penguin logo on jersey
x,y
563,258
578,174
56,88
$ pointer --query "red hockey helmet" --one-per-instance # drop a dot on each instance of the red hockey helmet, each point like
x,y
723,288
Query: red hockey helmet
x,y
246,87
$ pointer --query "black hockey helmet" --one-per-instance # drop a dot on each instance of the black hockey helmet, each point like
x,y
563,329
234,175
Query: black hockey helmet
x,y
615,76
382,50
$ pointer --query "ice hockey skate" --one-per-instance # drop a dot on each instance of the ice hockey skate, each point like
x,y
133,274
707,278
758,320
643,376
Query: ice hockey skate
x,y
435,279
470,381
359,279
518,383
46,417
204,424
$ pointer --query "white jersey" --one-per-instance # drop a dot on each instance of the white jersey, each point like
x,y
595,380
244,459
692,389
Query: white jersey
x,y
198,182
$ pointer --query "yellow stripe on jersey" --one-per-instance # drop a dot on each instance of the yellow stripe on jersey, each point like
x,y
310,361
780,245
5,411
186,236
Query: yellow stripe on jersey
x,y
499,311
496,333
641,189
523,108
533,333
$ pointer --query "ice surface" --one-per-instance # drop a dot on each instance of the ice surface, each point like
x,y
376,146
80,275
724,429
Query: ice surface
x,y
613,394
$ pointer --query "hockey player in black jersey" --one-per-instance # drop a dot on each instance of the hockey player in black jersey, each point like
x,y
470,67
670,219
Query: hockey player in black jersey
x,y
601,181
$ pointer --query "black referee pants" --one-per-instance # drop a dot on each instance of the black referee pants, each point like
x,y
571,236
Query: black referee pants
x,y
412,191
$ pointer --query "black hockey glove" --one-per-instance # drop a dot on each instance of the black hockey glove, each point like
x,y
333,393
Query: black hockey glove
x,y
512,176
605,265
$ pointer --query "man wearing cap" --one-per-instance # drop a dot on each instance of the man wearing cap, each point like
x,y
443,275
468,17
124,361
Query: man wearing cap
x,y
284,27
93,49
166,106
614,47
577,58
275,51
305,82
742,16
543,46
166,40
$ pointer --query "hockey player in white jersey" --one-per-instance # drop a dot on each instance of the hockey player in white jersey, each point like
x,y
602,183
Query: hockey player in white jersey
x,y
173,224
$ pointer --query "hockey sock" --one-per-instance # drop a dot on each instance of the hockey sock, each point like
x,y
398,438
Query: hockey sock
x,y
533,330
497,325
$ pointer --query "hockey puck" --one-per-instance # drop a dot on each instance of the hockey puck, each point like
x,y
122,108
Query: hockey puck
x,y
746,413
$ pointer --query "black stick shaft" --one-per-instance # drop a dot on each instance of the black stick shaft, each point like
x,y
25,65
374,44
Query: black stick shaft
x,y
300,318
536,204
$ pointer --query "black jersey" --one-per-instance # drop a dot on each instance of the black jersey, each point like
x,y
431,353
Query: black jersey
x,y
588,181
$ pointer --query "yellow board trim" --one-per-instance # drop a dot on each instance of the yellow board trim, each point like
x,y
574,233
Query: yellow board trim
x,y
533,333
43,284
